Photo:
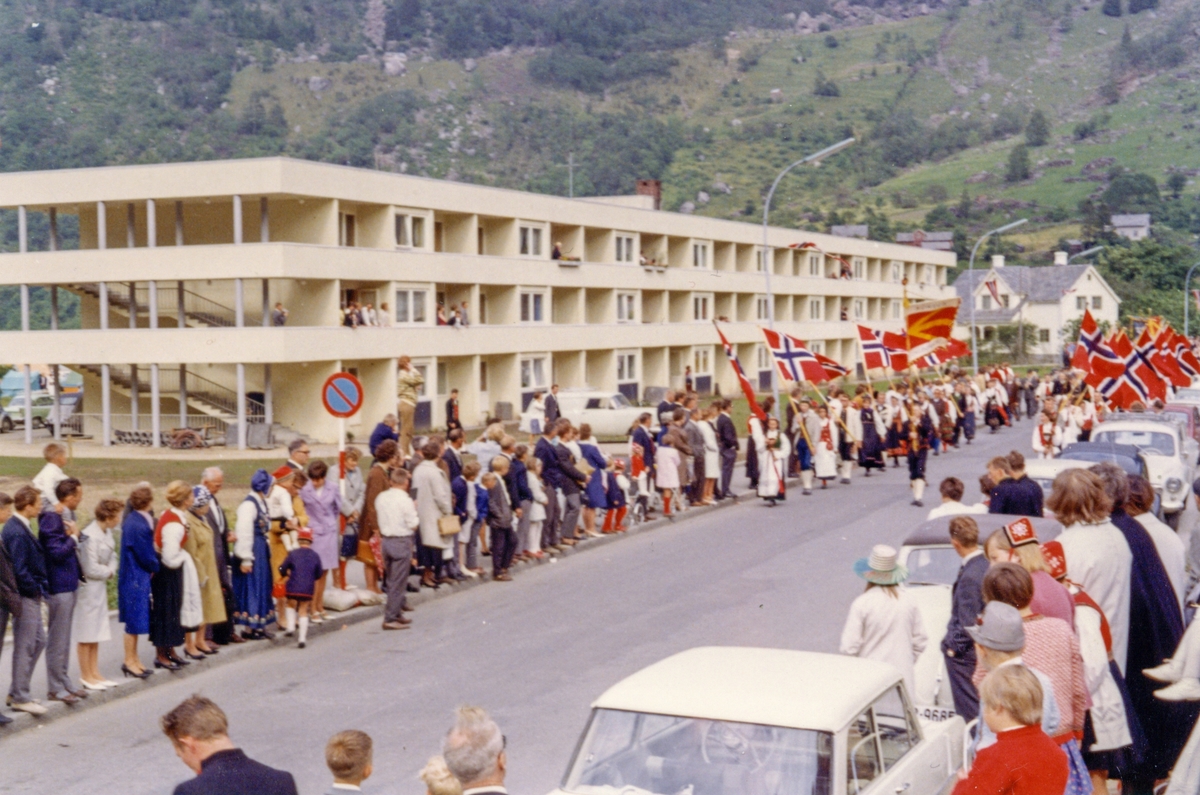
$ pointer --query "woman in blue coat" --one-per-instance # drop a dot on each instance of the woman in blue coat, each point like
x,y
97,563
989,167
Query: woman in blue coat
x,y
138,562
595,495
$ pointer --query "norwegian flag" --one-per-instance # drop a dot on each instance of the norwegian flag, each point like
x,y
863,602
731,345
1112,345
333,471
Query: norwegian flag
x,y
831,367
1184,354
1144,368
994,289
747,388
1164,360
1093,354
897,347
876,355
794,361
1131,385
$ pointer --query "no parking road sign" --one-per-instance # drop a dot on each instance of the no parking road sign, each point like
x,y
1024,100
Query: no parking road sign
x,y
342,395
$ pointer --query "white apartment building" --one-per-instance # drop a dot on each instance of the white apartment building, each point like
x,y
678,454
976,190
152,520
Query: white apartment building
x,y
179,265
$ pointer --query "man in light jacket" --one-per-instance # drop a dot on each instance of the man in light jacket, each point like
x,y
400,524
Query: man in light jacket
x,y
398,519
409,381
434,500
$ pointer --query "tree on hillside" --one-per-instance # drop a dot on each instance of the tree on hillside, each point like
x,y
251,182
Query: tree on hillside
x,y
1018,164
1037,132
1131,193
963,210
824,87
1176,182
1111,8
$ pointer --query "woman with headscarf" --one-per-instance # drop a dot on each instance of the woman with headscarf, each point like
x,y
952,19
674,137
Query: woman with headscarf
x,y
1155,627
252,560
870,453
175,607
139,562
200,544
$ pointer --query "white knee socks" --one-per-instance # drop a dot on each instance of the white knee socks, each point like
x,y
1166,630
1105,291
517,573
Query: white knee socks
x,y
303,629
847,468
806,479
918,487
291,621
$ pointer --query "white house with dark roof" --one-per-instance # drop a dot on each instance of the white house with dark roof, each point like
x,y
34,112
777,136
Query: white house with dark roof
x,y
1132,227
1046,297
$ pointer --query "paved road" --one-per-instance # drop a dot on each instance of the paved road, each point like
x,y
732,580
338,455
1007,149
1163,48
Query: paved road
x,y
534,652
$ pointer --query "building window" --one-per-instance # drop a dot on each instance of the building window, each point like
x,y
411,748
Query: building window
x,y
758,260
1081,303
483,309
410,306
1004,300
626,367
763,357
624,248
1097,302
418,232
761,307
533,307
700,307
985,302
346,230
626,307
814,308
817,346
897,272
533,373
859,308
814,265
402,236
699,255
860,269
483,376
701,361
443,379
531,241
895,309
1043,335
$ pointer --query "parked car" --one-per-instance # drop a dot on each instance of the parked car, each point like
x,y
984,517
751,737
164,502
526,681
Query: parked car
x,y
65,413
43,404
1043,471
932,568
6,421
1169,456
1189,415
758,722
609,413
1125,456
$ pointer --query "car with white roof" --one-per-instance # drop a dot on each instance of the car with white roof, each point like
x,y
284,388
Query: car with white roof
x,y
933,566
1169,455
750,721
609,413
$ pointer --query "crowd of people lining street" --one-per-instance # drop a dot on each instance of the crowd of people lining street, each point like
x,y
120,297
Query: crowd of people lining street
x,y
1094,621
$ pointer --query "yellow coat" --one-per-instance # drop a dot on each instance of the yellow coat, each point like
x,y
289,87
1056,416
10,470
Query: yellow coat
x,y
199,545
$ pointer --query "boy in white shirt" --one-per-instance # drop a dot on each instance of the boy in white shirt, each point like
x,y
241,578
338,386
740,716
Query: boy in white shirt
x,y
51,475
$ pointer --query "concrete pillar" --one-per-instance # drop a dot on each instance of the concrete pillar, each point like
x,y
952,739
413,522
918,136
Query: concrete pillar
x,y
102,288
133,313
22,229
266,302
101,225
133,397
237,219
28,404
105,404
54,229
179,223
180,309
155,408
239,303
264,223
130,226
183,407
151,224
57,375
24,307
241,406
53,308
152,304
268,397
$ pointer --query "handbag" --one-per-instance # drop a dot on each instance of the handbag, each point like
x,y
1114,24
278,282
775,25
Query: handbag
x,y
449,525
586,468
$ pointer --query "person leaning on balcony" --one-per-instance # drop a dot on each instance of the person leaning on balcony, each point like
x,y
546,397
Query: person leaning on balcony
x,y
409,381
279,315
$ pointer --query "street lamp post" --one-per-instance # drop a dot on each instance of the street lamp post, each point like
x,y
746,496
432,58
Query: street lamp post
x,y
767,262
1091,250
971,282
1187,297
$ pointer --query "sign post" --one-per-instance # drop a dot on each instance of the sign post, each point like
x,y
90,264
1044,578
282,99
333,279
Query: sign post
x,y
342,396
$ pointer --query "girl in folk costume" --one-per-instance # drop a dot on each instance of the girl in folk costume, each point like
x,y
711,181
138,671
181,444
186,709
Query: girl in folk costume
x,y
773,452
1089,418
282,509
825,458
1047,437
1070,421
852,432
801,442
897,446
918,437
252,578
870,452
1112,737
993,409
946,416
175,606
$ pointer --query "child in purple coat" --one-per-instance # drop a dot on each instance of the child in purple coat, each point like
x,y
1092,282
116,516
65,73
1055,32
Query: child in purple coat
x,y
300,571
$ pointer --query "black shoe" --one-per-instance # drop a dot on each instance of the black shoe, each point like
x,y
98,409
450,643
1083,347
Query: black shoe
x,y
4,719
125,669
412,588
170,666
191,656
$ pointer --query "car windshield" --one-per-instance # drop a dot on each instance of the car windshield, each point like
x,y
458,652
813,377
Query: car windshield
x,y
1155,443
1131,466
634,753
619,401
933,565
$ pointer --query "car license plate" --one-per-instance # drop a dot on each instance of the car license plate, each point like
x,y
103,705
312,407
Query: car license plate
x,y
936,714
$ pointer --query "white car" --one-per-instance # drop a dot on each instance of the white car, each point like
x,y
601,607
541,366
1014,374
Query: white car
x,y
1043,471
932,568
746,721
1169,457
609,413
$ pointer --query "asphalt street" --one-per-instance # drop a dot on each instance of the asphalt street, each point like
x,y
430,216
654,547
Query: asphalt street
x,y
534,652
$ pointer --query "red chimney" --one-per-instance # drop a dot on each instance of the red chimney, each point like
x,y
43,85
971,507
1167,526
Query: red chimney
x,y
651,187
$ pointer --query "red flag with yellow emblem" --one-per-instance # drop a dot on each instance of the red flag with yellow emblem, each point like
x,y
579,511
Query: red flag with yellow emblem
x,y
931,320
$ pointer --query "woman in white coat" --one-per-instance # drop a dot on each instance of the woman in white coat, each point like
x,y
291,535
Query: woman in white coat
x,y
825,457
712,455
533,419
773,450
98,561
884,622
434,500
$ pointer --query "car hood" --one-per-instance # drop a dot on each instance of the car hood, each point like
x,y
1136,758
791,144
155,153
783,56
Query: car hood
x,y
1161,467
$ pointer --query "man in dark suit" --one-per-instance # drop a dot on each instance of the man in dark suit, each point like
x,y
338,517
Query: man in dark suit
x,y
1013,495
10,595
452,420
452,455
666,406
200,733
727,440
570,484
552,411
519,493
552,477
29,570
386,429
966,605
1030,497
474,752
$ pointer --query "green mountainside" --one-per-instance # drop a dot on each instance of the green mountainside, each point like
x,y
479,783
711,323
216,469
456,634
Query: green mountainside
x,y
967,114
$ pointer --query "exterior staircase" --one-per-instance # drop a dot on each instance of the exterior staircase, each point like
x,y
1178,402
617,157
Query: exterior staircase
x,y
203,396
198,311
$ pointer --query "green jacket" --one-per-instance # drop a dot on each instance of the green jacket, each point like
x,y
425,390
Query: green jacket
x,y
409,381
